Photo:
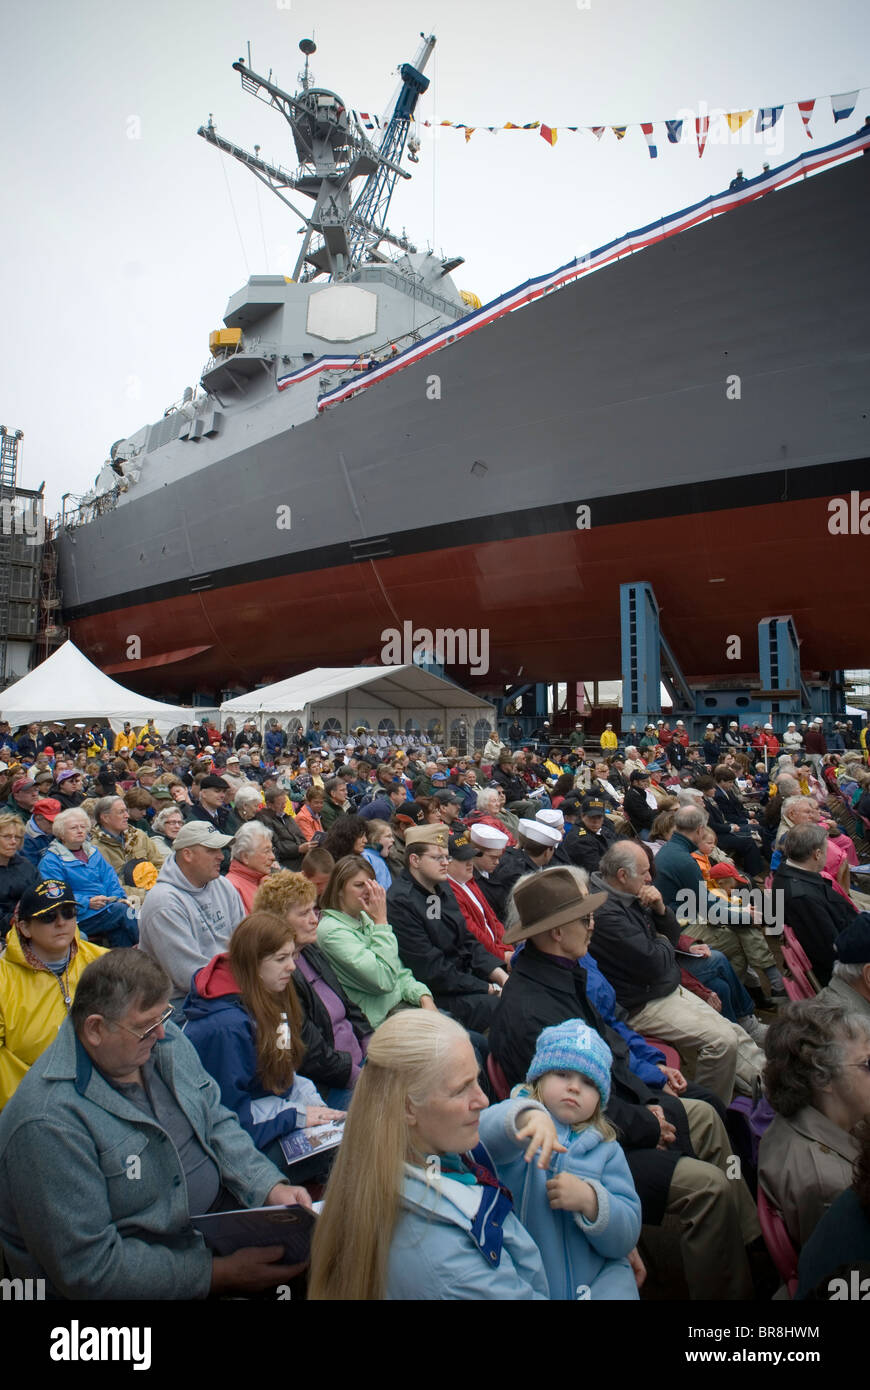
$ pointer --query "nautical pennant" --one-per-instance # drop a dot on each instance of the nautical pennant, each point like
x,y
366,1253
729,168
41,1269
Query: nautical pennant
x,y
843,105
619,130
702,125
469,131
806,110
646,127
767,118
675,131
597,131
736,119
551,136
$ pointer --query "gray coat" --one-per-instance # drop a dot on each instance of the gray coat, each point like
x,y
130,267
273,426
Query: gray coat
x,y
804,1163
92,1194
840,994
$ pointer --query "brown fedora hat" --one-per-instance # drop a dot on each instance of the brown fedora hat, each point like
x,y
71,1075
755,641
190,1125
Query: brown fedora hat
x,y
549,899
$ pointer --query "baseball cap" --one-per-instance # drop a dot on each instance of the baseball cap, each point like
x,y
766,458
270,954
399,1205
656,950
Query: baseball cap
x,y
212,782
44,897
47,807
593,806
197,832
446,797
461,846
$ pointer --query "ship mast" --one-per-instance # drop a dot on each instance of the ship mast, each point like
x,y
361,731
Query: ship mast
x,y
340,234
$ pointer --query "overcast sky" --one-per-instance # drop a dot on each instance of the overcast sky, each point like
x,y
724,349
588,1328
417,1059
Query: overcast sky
x,y
119,253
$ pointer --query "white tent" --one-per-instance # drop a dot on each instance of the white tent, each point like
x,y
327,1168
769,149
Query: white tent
x,y
68,687
366,695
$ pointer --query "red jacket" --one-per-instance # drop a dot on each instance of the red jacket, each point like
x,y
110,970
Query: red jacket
x,y
480,919
665,737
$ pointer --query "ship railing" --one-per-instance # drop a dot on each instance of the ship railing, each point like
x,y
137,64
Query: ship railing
x,y
87,511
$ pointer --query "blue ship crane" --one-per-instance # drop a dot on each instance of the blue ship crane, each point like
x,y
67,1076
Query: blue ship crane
x,y
373,202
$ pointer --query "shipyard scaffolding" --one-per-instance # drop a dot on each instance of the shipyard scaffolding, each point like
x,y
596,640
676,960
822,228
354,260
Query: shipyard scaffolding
x,y
21,546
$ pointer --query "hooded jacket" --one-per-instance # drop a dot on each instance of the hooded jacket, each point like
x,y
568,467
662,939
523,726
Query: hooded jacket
x,y
576,1252
454,1241
86,881
32,1008
183,927
225,1036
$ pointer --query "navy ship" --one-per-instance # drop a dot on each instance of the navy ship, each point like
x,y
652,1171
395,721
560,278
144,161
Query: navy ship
x,y
370,449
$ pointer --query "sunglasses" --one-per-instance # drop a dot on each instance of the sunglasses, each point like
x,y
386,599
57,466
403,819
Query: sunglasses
x,y
67,914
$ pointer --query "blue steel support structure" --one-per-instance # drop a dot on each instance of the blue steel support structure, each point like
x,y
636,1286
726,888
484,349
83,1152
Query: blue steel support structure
x,y
641,654
780,670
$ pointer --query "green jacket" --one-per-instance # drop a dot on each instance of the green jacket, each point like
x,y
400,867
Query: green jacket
x,y
92,1193
331,813
365,958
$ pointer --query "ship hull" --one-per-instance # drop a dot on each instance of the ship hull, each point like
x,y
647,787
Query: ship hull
x,y
705,399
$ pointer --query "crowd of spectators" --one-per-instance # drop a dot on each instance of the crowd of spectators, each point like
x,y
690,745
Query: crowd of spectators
x,y
222,939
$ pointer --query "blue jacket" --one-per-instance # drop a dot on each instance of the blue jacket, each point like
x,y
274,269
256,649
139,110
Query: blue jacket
x,y
578,1254
643,1057
224,1035
36,842
86,880
379,864
452,1241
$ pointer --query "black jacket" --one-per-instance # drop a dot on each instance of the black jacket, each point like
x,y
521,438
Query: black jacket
x,y
323,1064
17,876
514,788
816,913
731,807
434,942
636,807
286,839
543,991
676,754
585,848
635,949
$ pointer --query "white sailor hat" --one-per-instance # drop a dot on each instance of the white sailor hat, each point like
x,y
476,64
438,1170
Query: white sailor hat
x,y
487,837
550,816
539,833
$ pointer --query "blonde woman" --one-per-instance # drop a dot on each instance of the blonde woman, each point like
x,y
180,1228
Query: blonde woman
x,y
406,1214
16,872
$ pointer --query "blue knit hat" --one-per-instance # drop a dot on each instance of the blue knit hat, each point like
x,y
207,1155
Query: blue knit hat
x,y
572,1046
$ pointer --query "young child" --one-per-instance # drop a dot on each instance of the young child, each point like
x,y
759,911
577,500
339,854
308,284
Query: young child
x,y
583,1211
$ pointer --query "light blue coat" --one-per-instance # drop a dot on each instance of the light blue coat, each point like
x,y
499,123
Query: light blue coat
x,y
578,1254
435,1256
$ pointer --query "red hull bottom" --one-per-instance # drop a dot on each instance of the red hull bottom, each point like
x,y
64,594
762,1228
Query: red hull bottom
x,y
550,603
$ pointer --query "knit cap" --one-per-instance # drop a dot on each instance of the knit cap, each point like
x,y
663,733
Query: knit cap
x,y
572,1046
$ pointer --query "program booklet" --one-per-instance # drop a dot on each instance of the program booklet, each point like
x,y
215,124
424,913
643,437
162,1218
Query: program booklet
x,y
316,1139
228,1231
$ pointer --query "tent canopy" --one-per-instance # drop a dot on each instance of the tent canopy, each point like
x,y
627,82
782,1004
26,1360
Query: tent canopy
x,y
67,686
355,695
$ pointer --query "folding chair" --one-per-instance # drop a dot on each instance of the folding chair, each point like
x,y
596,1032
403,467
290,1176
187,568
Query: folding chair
x,y
800,956
801,987
778,1242
497,1078
672,1056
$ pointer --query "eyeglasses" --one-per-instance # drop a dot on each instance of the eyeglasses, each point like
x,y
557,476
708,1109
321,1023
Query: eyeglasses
x,y
164,1018
67,913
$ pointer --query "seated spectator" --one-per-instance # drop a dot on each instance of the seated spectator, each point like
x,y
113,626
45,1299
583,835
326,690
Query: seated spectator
x,y
640,804
811,906
191,912
490,811
69,788
480,919
536,845
165,826
382,806
355,935
210,805
247,801
660,831
377,851
24,795
505,776
38,832
395,1227
44,961
122,843
17,874
603,789
635,940
244,1020
335,801
335,1031
317,868
803,810
840,1243
667,1142
349,835
733,837
585,1219
97,1235
434,943
104,914
818,1081
492,843
586,843
288,838
850,979
308,815
252,860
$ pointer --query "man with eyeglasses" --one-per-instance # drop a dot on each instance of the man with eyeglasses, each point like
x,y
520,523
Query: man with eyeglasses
x,y
434,942
114,1140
